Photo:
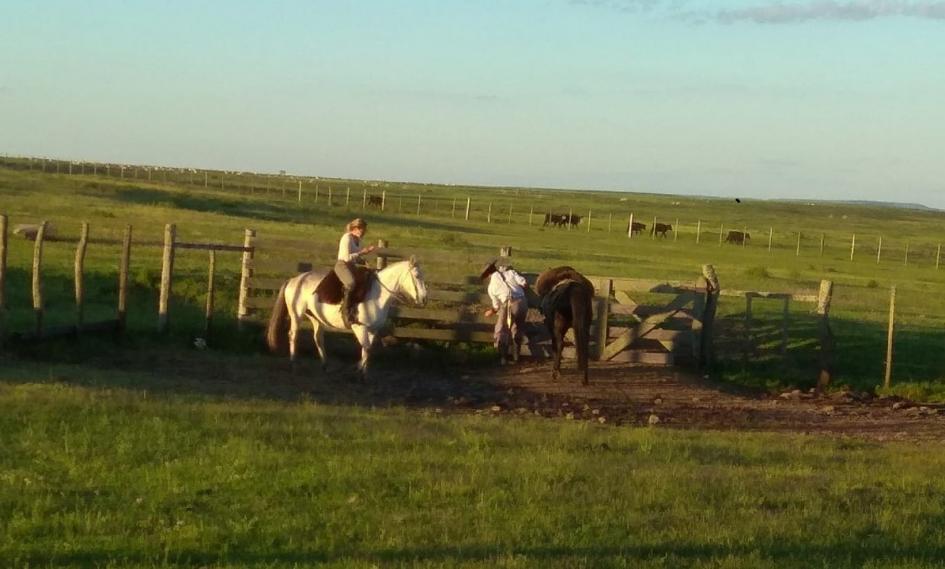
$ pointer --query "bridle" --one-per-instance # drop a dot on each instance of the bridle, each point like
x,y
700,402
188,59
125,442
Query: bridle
x,y
400,297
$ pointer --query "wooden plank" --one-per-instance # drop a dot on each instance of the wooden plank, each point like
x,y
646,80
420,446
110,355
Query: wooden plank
x,y
804,296
602,304
284,267
626,339
646,358
445,315
254,283
211,247
453,335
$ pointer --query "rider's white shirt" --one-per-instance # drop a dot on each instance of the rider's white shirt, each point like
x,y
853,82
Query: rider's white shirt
x,y
348,248
505,284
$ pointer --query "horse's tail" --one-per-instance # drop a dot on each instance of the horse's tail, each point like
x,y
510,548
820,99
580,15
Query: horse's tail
x,y
581,313
277,333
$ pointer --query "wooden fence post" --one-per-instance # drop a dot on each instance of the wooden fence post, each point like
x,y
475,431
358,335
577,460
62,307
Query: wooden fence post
x,y
364,198
418,204
823,236
123,268
381,260
300,191
721,231
531,212
746,346
347,196
211,269
80,276
570,217
879,250
785,316
676,230
3,268
383,199
588,221
630,227
698,231
167,274
246,273
610,221
603,316
706,349
770,237
510,214
825,357
905,260
653,229
853,246
797,252
329,195
468,202
453,211
938,256
38,301
489,214
890,333
744,237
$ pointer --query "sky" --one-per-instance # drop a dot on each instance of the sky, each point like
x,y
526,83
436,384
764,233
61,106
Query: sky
x,y
750,98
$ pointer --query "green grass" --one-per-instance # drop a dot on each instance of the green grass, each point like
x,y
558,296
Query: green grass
x,y
96,474
859,308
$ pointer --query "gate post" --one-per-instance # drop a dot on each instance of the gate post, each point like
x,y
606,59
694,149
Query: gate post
x,y
167,274
707,351
246,272
603,316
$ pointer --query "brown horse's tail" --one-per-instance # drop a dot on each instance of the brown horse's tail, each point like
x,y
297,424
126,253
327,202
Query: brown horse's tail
x,y
581,312
277,333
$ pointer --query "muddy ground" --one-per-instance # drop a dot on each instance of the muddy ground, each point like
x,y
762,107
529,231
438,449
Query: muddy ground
x,y
618,394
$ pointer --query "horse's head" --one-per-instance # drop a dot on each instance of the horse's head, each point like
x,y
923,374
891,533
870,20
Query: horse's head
x,y
411,282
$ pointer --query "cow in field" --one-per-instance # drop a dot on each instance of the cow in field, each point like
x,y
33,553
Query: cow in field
x,y
574,220
375,201
738,237
559,219
638,227
661,229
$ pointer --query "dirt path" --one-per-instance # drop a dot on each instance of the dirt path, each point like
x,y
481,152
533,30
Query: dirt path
x,y
624,394
619,394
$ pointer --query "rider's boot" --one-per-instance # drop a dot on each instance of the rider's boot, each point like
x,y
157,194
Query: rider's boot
x,y
516,349
503,353
346,307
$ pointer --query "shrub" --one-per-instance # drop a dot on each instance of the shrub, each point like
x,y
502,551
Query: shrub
x,y
760,272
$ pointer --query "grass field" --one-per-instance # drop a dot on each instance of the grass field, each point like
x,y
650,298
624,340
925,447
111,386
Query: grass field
x,y
111,469
859,309
106,467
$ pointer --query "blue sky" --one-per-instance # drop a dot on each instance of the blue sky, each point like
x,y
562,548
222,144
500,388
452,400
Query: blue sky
x,y
810,99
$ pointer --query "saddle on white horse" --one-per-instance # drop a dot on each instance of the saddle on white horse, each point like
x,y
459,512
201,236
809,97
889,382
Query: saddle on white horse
x,y
330,289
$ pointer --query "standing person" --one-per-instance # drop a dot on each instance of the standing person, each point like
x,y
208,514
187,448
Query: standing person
x,y
507,293
350,253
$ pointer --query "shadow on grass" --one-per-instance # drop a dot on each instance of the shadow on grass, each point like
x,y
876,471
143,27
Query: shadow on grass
x,y
853,553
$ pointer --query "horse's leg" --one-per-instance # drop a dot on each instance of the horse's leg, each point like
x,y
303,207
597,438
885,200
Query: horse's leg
x,y
561,327
366,340
319,335
293,334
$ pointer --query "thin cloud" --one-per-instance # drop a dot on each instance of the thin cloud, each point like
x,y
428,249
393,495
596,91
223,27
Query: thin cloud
x,y
826,10
774,13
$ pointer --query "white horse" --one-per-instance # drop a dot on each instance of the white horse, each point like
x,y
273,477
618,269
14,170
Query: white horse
x,y
297,299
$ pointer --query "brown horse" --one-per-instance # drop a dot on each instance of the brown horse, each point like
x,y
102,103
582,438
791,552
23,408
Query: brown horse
x,y
566,297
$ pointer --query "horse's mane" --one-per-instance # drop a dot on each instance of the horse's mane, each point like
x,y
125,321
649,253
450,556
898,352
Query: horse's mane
x,y
549,278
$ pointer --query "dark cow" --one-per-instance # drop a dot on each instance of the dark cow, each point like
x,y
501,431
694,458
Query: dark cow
x,y
738,237
637,227
375,201
661,229
561,219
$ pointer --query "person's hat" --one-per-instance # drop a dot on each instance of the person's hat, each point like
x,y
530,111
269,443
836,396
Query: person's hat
x,y
487,269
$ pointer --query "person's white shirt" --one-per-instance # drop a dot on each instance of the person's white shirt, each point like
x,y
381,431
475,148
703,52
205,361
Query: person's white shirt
x,y
349,248
505,284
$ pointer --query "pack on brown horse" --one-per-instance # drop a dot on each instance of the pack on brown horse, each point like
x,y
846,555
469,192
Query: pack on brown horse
x,y
566,297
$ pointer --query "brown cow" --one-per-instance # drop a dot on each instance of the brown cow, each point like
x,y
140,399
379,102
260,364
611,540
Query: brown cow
x,y
661,229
